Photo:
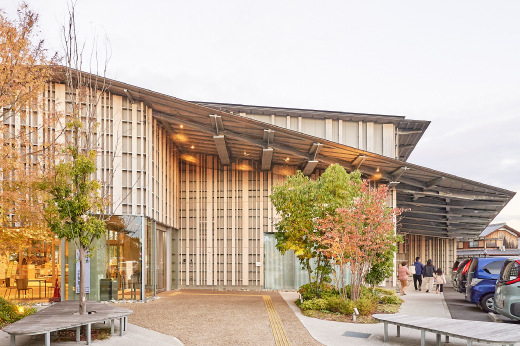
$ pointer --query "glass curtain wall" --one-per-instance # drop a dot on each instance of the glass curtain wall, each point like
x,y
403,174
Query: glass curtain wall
x,y
114,270
35,265
285,271
149,264
161,259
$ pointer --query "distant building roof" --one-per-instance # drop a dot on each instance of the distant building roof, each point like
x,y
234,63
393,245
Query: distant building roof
x,y
492,228
487,252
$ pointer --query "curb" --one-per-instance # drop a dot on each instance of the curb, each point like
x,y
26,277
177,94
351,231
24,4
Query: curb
x,y
445,305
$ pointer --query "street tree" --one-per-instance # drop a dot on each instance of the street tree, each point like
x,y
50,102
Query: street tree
x,y
300,202
79,204
359,236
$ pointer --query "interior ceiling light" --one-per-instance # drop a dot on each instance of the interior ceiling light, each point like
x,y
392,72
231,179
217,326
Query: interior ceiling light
x,y
377,170
181,126
179,137
192,147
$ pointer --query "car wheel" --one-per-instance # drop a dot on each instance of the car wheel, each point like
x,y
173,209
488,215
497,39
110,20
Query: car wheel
x,y
487,302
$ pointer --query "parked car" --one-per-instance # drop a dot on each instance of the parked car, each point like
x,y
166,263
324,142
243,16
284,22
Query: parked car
x,y
483,274
454,271
459,283
507,291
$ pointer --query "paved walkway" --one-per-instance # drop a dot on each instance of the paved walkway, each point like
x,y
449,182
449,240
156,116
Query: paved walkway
x,y
210,317
416,304
207,317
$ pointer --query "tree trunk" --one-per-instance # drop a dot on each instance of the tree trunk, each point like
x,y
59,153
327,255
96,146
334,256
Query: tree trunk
x,y
82,280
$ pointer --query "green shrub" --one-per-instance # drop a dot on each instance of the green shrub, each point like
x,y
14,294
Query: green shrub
x,y
336,304
314,304
393,299
322,291
365,291
10,312
385,291
366,306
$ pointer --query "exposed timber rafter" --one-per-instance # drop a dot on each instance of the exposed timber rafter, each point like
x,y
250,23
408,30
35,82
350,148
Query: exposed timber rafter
x,y
356,163
408,131
396,175
312,162
406,146
127,93
220,140
267,152
467,204
455,195
434,182
230,134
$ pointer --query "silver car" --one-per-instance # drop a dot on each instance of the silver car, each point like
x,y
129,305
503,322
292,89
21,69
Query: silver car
x,y
507,290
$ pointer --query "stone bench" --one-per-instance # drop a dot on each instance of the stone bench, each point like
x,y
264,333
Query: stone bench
x,y
472,331
65,315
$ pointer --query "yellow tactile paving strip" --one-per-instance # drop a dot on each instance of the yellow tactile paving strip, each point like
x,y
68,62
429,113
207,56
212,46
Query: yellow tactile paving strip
x,y
279,334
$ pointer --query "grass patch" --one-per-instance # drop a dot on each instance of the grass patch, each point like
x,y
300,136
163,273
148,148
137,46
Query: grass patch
x,y
70,334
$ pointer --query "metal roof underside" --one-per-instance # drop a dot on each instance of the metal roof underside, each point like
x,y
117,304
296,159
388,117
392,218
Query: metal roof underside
x,y
437,203
409,131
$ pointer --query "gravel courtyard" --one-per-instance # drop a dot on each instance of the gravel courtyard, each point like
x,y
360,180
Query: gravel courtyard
x,y
210,317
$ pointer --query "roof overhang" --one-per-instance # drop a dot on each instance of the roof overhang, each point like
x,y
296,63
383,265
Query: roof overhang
x,y
409,131
436,203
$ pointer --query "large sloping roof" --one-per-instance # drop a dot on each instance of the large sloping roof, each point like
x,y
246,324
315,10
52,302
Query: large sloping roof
x,y
438,203
410,131
492,228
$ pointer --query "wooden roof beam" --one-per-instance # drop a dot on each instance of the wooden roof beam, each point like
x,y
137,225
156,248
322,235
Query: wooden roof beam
x,y
356,163
408,131
223,153
127,93
231,134
434,182
312,162
267,158
220,140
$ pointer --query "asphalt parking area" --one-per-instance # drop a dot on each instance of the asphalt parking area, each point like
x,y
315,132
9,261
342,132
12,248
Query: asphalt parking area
x,y
211,317
463,310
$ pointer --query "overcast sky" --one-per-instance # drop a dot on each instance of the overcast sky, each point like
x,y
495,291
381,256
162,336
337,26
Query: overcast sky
x,y
456,64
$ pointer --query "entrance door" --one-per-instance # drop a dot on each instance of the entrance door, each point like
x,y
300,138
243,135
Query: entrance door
x,y
161,259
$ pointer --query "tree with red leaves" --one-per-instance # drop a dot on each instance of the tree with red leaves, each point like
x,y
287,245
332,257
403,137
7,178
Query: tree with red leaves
x,y
355,236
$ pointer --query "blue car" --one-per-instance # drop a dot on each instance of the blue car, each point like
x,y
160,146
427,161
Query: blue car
x,y
483,274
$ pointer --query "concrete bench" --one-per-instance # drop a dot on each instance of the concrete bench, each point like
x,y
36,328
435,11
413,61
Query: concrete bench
x,y
65,315
472,331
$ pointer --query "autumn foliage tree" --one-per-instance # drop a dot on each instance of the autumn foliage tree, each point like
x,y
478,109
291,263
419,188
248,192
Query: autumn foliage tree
x,y
300,202
26,148
357,235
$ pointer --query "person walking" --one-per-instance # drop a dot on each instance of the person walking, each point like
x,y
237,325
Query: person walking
x,y
417,277
440,279
428,273
403,273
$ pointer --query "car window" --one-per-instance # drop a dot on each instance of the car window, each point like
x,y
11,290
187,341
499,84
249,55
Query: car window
x,y
493,267
462,265
510,271
473,265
